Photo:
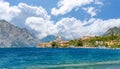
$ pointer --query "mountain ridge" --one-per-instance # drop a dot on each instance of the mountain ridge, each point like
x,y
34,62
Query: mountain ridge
x,y
114,30
13,36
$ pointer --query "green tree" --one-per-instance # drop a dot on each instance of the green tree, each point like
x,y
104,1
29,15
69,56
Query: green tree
x,y
54,44
76,42
79,43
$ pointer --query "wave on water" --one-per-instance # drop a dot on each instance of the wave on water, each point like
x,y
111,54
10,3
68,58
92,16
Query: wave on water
x,y
73,65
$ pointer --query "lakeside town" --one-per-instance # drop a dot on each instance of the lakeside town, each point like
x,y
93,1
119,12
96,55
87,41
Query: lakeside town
x,y
109,41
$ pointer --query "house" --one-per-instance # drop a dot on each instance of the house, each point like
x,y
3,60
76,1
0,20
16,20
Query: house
x,y
112,42
86,37
58,40
63,43
43,45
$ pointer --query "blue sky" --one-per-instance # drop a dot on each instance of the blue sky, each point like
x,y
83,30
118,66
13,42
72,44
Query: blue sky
x,y
110,7
110,10
70,18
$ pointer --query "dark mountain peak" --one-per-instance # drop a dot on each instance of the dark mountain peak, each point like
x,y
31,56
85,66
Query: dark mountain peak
x,y
114,28
3,21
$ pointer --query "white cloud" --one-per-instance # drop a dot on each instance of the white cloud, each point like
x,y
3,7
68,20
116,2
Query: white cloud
x,y
29,11
101,26
65,6
98,2
7,12
42,26
91,11
71,28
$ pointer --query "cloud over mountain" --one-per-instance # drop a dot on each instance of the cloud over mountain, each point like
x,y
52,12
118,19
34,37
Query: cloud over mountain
x,y
34,18
29,11
42,26
71,28
18,14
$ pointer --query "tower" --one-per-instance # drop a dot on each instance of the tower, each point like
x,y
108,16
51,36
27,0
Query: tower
x,y
59,39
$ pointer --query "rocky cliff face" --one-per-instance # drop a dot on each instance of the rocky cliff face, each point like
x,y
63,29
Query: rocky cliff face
x,y
12,36
115,30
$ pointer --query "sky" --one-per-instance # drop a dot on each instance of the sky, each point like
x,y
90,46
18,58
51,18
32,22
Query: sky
x,y
69,18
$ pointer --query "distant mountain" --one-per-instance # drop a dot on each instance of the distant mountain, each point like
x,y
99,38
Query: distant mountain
x,y
114,30
13,36
48,38
51,38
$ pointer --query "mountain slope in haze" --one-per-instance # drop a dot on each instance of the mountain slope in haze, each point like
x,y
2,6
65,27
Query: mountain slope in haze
x,y
114,30
51,38
48,38
13,36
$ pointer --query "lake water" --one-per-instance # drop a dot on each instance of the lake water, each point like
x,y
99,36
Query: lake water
x,y
59,58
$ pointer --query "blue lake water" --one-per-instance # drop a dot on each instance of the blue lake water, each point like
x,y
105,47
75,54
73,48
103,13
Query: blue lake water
x,y
59,58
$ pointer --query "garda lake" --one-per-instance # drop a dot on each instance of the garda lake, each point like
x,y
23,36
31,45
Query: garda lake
x,y
59,58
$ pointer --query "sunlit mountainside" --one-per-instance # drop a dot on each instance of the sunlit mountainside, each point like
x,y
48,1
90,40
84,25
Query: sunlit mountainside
x,y
13,36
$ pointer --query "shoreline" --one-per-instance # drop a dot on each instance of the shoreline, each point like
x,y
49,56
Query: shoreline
x,y
82,47
60,47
